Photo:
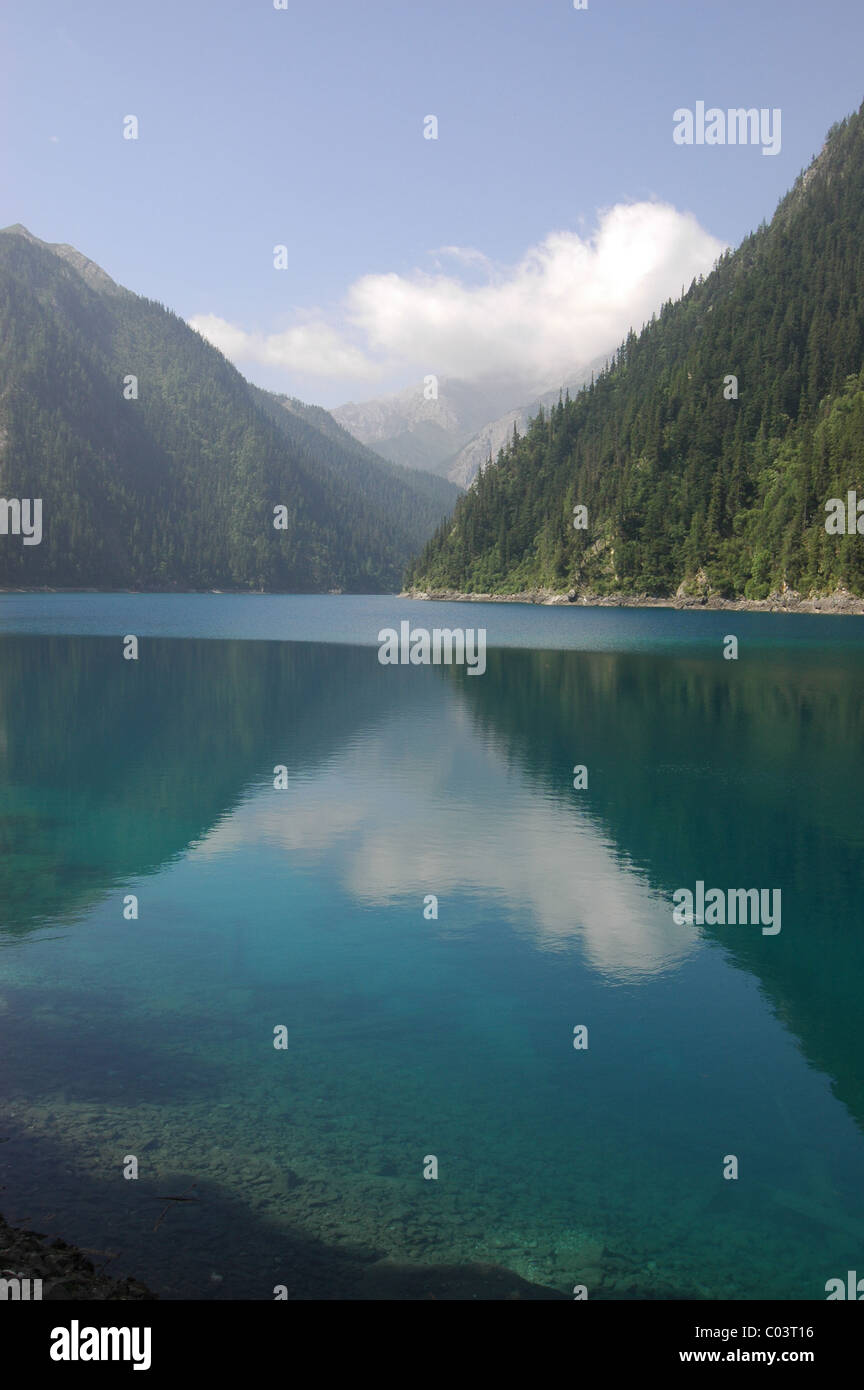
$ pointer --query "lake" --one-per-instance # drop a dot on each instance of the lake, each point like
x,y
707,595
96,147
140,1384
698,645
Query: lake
x,y
410,1037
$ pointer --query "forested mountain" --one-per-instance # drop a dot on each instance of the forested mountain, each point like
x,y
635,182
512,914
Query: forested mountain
x,y
176,488
410,500
683,483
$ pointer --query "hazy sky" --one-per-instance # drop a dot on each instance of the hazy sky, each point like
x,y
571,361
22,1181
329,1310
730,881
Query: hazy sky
x,y
553,210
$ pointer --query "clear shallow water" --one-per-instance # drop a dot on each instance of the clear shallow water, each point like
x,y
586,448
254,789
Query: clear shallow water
x,y
409,1037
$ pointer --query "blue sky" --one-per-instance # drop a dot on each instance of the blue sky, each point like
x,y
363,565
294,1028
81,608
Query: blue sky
x,y
304,127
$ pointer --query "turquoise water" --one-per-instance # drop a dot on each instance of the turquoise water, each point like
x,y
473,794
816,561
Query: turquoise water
x,y
409,1037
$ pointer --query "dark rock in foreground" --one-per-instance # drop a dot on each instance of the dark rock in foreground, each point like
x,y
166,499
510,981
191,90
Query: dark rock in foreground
x,y
66,1272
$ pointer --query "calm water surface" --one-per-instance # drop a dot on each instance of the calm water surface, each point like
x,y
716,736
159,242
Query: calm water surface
x,y
303,907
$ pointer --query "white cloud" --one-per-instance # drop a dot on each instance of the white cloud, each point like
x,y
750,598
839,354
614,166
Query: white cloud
x,y
315,349
567,300
466,255
564,884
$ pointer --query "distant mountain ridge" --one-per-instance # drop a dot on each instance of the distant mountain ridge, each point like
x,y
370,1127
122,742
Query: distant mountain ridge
x,y
454,433
159,466
411,429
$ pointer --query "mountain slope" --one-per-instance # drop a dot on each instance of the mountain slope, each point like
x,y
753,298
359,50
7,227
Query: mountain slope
x,y
410,500
176,488
496,434
682,485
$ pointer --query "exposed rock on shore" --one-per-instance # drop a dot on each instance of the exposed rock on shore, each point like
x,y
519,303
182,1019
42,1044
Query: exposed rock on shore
x,y
66,1273
785,601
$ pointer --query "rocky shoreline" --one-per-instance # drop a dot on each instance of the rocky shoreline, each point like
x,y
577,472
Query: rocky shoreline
x,y
788,601
66,1272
